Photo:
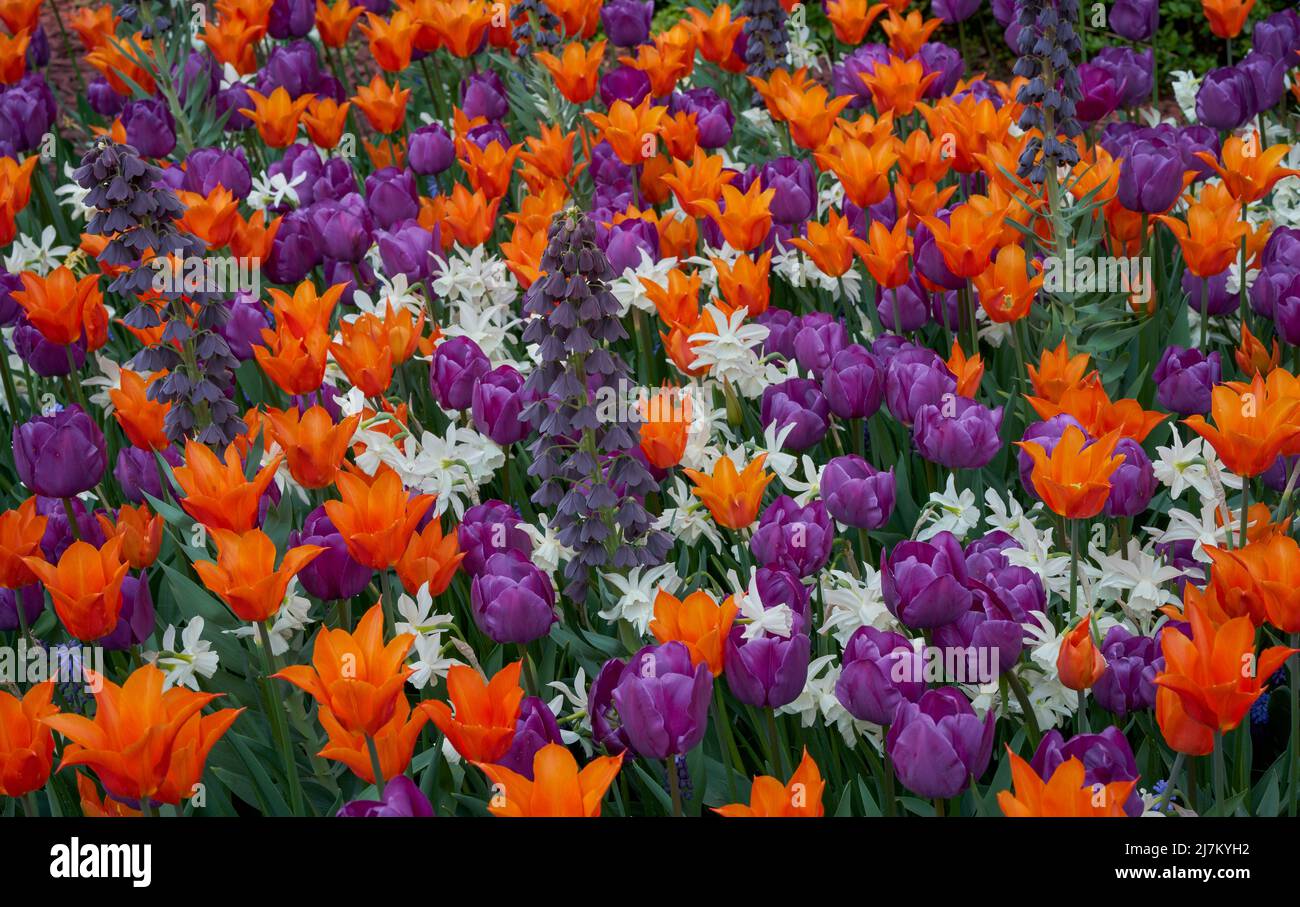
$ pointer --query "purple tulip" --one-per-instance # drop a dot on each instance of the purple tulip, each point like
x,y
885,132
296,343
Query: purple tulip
x,y
99,94
915,378
208,168
953,11
766,671
1129,682
626,242
1133,483
1106,757
1184,378
795,183
957,433
512,600
856,493
488,529
627,22
1132,72
819,337
429,150
342,229
407,248
333,574
136,472
44,357
1223,100
457,364
924,584
854,384
1136,20
904,308
58,530
623,83
606,730
1100,93
535,728
663,701
60,455
296,68
846,76
938,743
483,94
794,538
402,800
291,19
937,57
32,600
713,116
798,402
392,196
497,403
1150,177
135,622
986,641
881,670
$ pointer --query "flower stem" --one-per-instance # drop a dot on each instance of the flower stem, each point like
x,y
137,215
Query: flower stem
x,y
276,714
1220,773
375,765
674,786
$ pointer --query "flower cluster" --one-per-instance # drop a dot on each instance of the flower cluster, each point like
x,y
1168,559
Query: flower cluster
x,y
436,407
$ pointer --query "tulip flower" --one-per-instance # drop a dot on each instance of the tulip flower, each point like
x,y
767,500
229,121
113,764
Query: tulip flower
x,y
140,417
394,744
402,799
26,745
665,426
1074,479
384,105
480,722
769,798
698,622
312,443
276,115
557,789
576,70
86,586
355,675
216,492
1250,427
21,531
146,746
245,576
629,129
745,218
1079,663
60,455
699,181
938,744
59,305
141,532
1216,674
733,498
334,22
1065,793
376,516
430,559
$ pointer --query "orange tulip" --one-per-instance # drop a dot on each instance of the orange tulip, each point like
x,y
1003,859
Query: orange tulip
x,y
482,725
13,56
1007,292
1226,17
461,24
733,498
908,33
1251,426
810,115
140,530
1252,357
698,622
245,576
898,85
862,169
334,22
85,586
233,42
666,59
20,15
1057,372
967,240
747,218
769,798
701,180
1079,662
744,282
1065,793
968,371
312,443
1249,172
665,424
113,63
216,493
489,169
830,246
354,675
367,363
576,70
95,26
887,254
59,305
26,744
295,364
252,238
391,42
852,19
394,742
325,119
1216,674
630,130
430,559
716,34
376,517
471,216
141,418
21,530
557,788
1211,238
1074,481
143,743
384,105
276,116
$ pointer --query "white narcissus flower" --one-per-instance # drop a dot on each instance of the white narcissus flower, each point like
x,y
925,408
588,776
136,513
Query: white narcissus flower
x,y
630,291
548,551
475,277
72,196
418,616
182,667
40,255
274,191
395,293
688,520
852,603
758,620
637,591
429,663
1141,580
949,512
1180,466
732,351
492,327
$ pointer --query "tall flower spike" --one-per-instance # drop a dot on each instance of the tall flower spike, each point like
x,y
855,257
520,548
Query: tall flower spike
x,y
1048,45
766,37
584,461
138,214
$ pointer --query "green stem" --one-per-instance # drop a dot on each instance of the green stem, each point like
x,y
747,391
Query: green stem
x,y
1220,773
275,707
375,765
674,785
1022,696
72,519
